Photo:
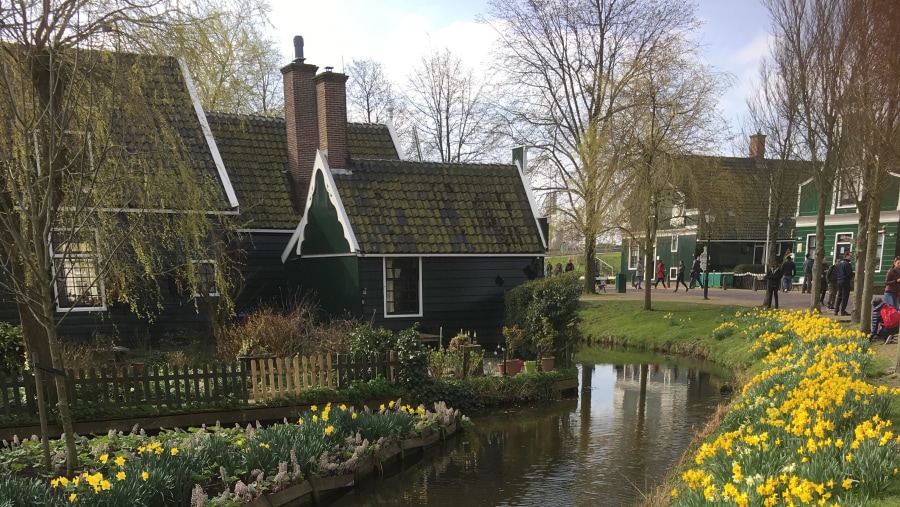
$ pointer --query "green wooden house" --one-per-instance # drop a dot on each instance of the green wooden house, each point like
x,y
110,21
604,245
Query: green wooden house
x,y
842,222
734,230
399,242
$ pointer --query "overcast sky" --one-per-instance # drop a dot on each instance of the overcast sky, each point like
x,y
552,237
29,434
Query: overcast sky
x,y
398,32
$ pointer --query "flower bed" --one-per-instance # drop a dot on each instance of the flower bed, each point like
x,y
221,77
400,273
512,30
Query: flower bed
x,y
806,430
323,450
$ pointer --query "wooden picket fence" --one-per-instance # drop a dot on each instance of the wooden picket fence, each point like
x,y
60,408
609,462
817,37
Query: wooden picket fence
x,y
170,387
274,377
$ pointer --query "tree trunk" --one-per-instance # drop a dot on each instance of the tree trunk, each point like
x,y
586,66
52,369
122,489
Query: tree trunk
x,y
590,250
866,284
862,250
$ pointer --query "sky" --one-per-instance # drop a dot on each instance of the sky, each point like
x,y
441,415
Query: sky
x,y
398,33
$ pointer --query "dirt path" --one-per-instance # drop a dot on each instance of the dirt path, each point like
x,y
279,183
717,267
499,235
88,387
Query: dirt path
x,y
794,300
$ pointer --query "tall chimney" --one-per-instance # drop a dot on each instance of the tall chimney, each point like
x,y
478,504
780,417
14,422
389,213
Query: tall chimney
x,y
301,122
331,99
758,147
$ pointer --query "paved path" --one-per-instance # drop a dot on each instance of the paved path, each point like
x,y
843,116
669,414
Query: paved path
x,y
793,300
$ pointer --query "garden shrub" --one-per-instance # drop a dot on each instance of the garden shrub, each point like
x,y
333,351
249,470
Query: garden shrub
x,y
749,268
547,310
297,328
12,349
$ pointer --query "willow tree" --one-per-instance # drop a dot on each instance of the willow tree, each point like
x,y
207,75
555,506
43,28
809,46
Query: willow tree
x,y
100,195
571,64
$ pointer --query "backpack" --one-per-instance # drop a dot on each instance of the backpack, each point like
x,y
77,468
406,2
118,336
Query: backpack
x,y
890,317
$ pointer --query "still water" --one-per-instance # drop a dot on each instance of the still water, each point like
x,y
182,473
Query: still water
x,y
609,446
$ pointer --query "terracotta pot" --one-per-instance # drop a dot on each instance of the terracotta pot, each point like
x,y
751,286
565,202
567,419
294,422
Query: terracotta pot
x,y
512,367
138,367
547,363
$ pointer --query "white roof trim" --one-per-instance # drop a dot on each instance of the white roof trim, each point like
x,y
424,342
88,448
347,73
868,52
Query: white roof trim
x,y
207,132
395,139
531,200
295,244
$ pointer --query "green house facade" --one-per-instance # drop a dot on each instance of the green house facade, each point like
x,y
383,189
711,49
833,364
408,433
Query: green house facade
x,y
842,223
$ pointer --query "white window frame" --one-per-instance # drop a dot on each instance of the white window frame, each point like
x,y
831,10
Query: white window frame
x,y
840,194
673,272
674,244
811,250
200,278
96,287
634,254
849,243
388,305
879,242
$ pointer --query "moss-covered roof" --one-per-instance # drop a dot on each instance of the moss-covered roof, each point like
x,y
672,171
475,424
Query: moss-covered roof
x,y
147,94
254,150
433,208
370,140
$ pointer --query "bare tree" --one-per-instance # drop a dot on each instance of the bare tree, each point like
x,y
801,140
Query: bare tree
x,y
370,96
86,148
575,66
809,59
233,60
449,112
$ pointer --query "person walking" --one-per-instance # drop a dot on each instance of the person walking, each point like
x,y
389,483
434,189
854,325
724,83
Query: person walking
x,y
639,273
661,275
695,273
831,275
892,285
570,266
773,278
788,269
823,283
807,274
549,271
679,277
844,280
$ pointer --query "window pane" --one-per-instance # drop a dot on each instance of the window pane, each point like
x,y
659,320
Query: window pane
x,y
77,273
402,286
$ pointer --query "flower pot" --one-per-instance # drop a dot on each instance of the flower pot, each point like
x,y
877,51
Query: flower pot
x,y
512,367
547,363
530,366
138,367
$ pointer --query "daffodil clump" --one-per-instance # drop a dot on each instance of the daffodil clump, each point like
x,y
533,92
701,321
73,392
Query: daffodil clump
x,y
215,465
807,430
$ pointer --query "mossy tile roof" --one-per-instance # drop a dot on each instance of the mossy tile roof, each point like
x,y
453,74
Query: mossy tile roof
x,y
433,208
370,140
254,150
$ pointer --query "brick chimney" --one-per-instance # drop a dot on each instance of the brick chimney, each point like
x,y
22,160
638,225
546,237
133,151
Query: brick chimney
x,y
300,121
331,100
758,147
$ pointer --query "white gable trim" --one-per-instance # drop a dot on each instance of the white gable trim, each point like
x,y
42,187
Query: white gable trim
x,y
295,244
207,133
526,184
395,139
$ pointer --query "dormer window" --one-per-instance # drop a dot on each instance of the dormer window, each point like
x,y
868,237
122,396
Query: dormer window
x,y
849,188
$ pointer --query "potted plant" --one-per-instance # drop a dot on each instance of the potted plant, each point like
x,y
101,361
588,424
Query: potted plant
x,y
543,344
515,337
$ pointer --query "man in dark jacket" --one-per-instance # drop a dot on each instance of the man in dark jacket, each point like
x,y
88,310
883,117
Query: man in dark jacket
x,y
787,273
807,274
844,280
773,277
831,276
695,273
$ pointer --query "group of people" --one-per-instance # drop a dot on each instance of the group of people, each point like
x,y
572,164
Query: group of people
x,y
662,275
836,279
549,271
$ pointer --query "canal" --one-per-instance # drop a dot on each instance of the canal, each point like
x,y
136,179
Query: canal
x,y
629,424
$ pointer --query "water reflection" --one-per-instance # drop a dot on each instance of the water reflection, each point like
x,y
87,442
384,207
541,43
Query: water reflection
x,y
628,426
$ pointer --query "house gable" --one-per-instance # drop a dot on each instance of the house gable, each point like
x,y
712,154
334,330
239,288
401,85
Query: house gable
x,y
324,228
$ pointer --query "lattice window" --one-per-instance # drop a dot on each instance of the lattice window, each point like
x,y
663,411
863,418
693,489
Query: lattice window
x,y
402,287
206,278
76,271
